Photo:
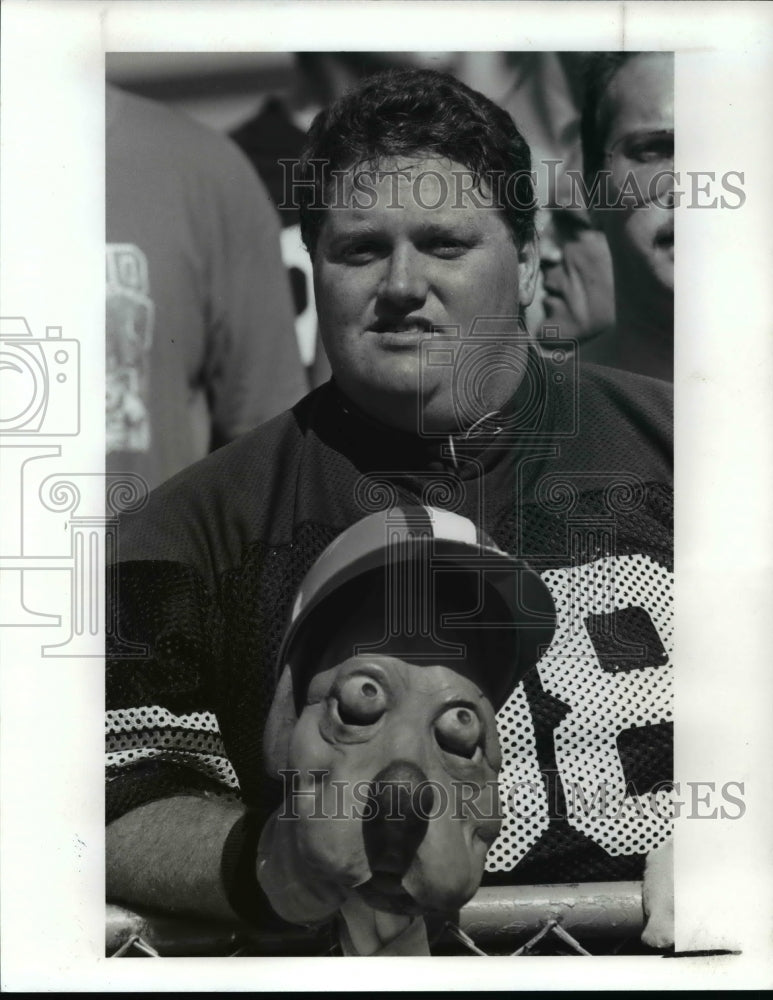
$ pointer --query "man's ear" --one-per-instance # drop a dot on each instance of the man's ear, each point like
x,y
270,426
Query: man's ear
x,y
528,268
280,725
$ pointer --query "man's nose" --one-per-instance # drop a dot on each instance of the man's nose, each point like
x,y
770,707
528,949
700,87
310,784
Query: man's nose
x,y
404,285
550,251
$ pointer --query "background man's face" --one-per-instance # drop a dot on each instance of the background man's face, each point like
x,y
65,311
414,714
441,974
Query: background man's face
x,y
409,254
576,274
639,112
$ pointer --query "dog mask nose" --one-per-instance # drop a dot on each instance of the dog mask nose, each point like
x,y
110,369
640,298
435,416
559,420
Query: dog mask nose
x,y
400,801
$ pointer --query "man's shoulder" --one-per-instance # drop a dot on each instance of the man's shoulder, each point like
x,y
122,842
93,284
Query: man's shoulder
x,y
208,513
626,419
631,385
236,470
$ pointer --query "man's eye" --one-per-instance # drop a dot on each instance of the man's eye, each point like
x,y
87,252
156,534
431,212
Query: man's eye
x,y
447,249
652,150
359,253
361,700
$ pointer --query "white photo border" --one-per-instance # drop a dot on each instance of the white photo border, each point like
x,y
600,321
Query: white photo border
x,y
53,260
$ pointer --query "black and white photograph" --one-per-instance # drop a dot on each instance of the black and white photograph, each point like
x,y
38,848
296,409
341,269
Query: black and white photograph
x,y
385,557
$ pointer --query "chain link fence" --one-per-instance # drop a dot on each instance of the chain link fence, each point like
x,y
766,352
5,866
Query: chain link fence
x,y
601,918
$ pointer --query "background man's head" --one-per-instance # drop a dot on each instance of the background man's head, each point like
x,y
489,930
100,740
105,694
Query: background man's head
x,y
628,130
422,218
576,275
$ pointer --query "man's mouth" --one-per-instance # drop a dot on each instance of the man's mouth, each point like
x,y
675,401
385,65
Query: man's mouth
x,y
664,238
407,326
552,301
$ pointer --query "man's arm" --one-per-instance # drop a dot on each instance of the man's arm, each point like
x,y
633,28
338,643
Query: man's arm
x,y
167,855
168,805
186,855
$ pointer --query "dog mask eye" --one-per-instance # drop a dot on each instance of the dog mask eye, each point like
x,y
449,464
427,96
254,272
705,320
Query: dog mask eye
x,y
361,701
458,731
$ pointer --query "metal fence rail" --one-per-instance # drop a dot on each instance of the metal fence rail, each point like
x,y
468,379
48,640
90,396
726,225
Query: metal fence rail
x,y
585,919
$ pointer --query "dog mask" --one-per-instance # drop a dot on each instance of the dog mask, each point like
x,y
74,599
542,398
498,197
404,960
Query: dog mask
x,y
395,794
390,756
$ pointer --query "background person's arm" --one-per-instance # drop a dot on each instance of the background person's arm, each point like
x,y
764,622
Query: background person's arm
x,y
253,369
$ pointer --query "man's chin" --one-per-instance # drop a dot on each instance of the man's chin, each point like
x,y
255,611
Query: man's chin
x,y
399,373
403,398
664,272
659,261
664,254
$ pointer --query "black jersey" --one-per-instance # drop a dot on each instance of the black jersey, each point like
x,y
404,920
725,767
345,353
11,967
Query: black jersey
x,y
575,477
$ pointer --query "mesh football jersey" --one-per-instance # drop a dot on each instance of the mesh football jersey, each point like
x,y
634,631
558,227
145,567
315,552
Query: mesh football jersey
x,y
574,476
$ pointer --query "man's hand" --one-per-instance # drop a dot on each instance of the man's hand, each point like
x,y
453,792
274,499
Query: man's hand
x,y
658,897
297,893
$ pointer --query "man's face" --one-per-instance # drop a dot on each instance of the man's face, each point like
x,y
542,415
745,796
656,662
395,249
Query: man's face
x,y
576,274
414,252
639,112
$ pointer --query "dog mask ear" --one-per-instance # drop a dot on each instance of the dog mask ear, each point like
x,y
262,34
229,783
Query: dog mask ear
x,y
282,718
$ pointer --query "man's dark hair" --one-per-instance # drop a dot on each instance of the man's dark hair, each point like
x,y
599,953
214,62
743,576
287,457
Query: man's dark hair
x,y
407,112
600,68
